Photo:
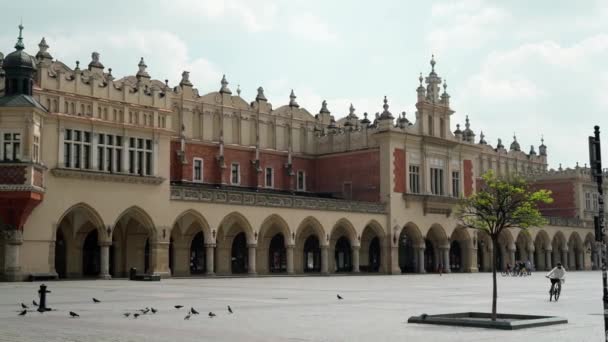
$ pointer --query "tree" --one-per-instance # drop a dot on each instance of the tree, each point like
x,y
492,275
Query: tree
x,y
498,205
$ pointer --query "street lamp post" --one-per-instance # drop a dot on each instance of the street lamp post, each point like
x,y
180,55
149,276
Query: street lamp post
x,y
595,157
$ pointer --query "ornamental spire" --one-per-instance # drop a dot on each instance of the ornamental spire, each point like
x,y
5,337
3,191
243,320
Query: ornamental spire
x,y
19,45
386,115
292,100
224,89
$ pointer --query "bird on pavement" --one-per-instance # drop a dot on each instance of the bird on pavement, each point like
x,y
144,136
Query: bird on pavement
x,y
73,314
154,310
34,302
22,313
23,306
127,314
187,317
178,306
339,297
229,309
194,312
95,300
145,311
135,315
211,314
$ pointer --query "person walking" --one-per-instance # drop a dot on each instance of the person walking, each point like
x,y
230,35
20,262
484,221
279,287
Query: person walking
x,y
440,269
529,266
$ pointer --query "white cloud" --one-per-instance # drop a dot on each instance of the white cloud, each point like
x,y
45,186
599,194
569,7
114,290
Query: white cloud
x,y
259,15
310,27
463,24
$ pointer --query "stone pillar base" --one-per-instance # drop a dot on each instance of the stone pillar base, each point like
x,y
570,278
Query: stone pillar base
x,y
105,276
163,275
12,275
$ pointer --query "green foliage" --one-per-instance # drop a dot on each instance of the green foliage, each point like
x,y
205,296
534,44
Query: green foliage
x,y
503,203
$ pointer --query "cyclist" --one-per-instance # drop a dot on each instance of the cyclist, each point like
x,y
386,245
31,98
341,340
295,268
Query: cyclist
x,y
557,276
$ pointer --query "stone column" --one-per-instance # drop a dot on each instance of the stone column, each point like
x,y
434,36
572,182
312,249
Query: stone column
x,y
548,264
565,258
421,259
290,267
472,259
531,257
209,254
355,253
445,251
580,256
395,269
252,251
512,255
105,260
160,258
324,259
12,265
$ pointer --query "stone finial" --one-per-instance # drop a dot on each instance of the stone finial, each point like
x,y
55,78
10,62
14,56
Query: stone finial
x,y
420,79
142,69
365,119
499,145
109,76
458,132
260,96
238,89
542,149
77,66
482,140
292,100
532,151
95,63
515,145
324,109
42,50
185,79
560,167
433,63
224,89
386,115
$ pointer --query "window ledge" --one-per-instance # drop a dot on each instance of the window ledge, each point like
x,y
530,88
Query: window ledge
x,y
432,204
106,177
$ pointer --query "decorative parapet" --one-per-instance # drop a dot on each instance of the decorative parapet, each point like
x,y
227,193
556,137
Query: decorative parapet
x,y
245,197
566,221
106,177
432,204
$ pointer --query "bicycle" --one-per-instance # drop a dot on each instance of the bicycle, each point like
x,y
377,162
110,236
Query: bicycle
x,y
555,290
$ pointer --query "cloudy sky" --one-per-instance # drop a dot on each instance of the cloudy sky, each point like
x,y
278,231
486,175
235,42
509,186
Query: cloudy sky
x,y
529,68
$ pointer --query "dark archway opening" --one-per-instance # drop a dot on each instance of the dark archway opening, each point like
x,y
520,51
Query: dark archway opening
x,y
407,255
312,255
374,255
60,254
455,257
499,258
343,255
91,255
147,256
277,256
239,254
429,256
197,254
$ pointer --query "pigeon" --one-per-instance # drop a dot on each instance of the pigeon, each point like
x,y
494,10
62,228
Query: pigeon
x,y
194,312
154,310
127,314
95,300
187,317
73,314
135,315
211,314
22,313
23,306
178,306
424,316
145,311
339,297
229,309
34,302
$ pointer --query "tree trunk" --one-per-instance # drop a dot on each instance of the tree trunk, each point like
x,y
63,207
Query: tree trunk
x,y
494,291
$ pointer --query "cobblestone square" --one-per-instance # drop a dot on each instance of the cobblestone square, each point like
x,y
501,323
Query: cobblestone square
x,y
374,308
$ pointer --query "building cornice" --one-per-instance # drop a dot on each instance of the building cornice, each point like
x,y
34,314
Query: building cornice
x,y
106,177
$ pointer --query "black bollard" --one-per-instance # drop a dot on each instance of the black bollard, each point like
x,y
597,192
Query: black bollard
x,y
42,294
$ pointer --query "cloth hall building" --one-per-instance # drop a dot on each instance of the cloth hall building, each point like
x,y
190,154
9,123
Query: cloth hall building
x,y
101,174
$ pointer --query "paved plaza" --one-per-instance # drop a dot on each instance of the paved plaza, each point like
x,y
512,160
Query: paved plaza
x,y
375,308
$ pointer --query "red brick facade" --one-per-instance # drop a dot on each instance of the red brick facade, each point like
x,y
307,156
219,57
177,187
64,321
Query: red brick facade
x,y
564,198
354,175
399,170
468,177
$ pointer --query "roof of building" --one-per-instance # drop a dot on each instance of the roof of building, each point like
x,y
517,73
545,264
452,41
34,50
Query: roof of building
x,y
20,101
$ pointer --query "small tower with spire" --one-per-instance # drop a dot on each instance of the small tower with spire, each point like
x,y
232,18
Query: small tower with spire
x,y
43,56
385,120
19,69
542,149
433,107
224,89
514,145
292,100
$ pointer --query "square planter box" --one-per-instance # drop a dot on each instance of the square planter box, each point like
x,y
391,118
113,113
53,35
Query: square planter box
x,y
483,320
